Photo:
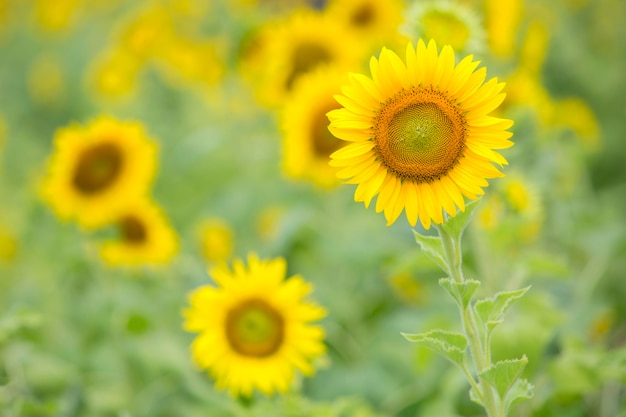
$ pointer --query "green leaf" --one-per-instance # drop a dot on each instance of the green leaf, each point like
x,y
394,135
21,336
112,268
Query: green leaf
x,y
433,248
491,310
461,291
452,345
501,375
520,391
474,396
455,225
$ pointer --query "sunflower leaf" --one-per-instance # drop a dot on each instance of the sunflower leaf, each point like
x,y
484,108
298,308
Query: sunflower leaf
x,y
461,291
455,225
491,310
433,248
451,345
520,391
503,374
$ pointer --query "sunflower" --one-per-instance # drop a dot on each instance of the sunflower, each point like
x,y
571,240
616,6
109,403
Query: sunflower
x,y
307,142
254,328
216,239
145,237
94,170
372,19
420,134
447,22
291,47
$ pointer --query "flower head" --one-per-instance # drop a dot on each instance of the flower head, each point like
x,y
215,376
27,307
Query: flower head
x,y
145,237
254,327
420,134
94,170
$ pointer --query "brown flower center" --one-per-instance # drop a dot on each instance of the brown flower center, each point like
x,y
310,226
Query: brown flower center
x,y
98,167
419,134
254,328
363,16
133,230
306,57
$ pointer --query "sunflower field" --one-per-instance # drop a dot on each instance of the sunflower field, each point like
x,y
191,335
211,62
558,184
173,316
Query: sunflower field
x,y
340,208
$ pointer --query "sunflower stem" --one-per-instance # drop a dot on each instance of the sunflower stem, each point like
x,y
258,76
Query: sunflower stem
x,y
451,243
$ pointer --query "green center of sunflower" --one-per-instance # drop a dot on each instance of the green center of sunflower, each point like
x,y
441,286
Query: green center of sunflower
x,y
306,57
98,167
323,142
420,134
254,328
446,28
133,230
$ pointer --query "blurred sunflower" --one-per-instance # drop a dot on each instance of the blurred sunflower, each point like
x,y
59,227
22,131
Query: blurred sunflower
x,y
447,22
94,170
254,328
216,239
372,19
145,237
420,134
502,21
294,46
307,142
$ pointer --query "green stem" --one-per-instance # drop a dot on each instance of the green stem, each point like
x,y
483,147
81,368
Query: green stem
x,y
452,250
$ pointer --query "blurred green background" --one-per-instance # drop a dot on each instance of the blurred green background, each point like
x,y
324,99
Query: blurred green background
x,y
80,338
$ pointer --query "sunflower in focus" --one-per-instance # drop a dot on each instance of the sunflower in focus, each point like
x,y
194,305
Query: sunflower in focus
x,y
95,169
145,237
285,50
307,142
420,134
255,327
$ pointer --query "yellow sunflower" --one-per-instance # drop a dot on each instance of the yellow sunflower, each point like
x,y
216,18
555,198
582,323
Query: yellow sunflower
x,y
420,133
374,19
94,170
294,46
216,239
307,142
255,327
145,237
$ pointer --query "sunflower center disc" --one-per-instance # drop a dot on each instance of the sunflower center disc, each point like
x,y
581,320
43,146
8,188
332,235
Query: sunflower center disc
x,y
420,134
97,168
254,328
133,230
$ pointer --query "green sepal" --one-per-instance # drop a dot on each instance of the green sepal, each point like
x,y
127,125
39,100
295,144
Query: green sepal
x,y
455,225
461,291
491,310
433,248
520,391
452,345
503,374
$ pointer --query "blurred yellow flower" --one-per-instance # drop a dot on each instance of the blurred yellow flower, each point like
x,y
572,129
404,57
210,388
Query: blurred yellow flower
x,y
270,222
216,240
114,74
146,31
294,46
190,61
8,245
94,170
46,81
307,142
371,19
576,114
447,22
255,327
58,15
145,237
502,20
420,133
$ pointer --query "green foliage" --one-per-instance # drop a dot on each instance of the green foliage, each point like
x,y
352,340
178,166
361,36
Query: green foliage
x,y
491,310
451,345
462,292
